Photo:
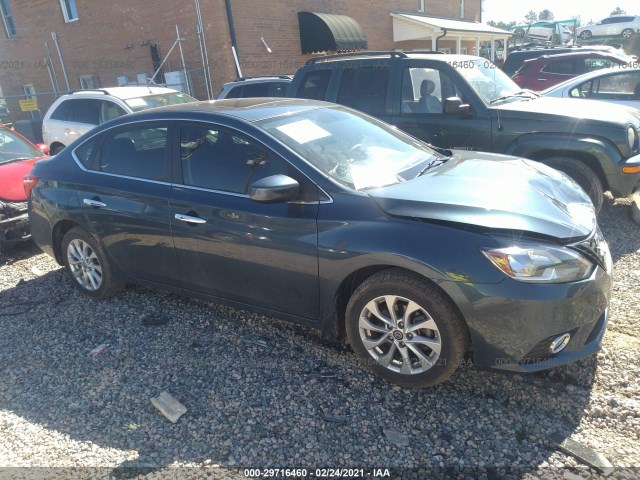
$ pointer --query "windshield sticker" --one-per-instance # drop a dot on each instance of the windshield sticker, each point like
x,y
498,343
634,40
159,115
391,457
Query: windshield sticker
x,y
304,131
364,176
136,102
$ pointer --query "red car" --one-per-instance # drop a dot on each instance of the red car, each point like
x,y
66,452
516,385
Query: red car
x,y
549,70
17,156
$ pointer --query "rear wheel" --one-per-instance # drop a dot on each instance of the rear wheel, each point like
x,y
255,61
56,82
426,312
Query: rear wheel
x,y
583,175
56,149
585,34
626,33
518,32
88,266
405,330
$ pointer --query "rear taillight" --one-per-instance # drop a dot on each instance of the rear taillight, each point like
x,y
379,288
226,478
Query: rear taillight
x,y
29,181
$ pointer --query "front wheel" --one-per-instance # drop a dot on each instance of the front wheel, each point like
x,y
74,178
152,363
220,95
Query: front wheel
x,y
405,330
88,266
583,175
585,35
518,32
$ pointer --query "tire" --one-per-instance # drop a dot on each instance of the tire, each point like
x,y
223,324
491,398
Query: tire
x,y
626,33
57,149
88,266
585,34
518,32
583,175
387,354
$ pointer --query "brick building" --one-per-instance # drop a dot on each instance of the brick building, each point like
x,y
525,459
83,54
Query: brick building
x,y
61,45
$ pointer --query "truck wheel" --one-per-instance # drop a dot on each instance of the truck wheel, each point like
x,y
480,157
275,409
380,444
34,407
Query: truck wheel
x,y
582,175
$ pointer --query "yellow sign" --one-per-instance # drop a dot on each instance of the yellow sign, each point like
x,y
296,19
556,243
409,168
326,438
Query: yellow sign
x,y
28,105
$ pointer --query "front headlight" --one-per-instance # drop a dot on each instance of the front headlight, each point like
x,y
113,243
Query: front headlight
x,y
632,138
540,263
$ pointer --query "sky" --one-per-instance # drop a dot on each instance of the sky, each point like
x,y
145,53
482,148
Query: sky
x,y
507,10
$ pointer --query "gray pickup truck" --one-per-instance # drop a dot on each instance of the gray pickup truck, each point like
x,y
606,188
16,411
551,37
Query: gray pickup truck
x,y
465,102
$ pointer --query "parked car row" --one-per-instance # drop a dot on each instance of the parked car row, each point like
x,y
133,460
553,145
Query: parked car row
x,y
399,240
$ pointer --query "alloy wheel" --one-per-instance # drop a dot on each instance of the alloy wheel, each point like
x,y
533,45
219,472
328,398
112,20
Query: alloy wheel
x,y
400,334
84,264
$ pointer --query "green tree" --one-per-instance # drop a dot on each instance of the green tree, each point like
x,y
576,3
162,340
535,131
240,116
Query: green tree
x,y
546,15
618,11
530,17
502,25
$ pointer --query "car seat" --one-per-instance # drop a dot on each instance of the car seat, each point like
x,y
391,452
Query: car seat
x,y
428,103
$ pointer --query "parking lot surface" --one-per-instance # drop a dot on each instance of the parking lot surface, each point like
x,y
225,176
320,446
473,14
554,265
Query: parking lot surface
x,y
262,393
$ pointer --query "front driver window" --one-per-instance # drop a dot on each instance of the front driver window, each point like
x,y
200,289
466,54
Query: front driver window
x,y
425,89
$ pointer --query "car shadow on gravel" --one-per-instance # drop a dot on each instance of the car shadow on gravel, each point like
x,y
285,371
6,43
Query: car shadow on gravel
x,y
259,392
18,251
615,221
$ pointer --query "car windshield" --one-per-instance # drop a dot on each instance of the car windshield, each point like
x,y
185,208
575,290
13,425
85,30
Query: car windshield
x,y
357,151
159,100
489,82
13,147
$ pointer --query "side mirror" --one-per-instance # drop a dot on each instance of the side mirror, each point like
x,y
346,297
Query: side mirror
x,y
43,147
454,106
276,188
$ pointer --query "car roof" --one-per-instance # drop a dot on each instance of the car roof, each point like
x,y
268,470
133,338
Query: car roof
x,y
247,109
125,93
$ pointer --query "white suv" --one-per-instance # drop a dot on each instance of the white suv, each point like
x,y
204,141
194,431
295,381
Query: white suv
x,y
75,114
624,25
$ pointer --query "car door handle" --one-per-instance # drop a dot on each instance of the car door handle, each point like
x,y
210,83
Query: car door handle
x,y
93,203
189,218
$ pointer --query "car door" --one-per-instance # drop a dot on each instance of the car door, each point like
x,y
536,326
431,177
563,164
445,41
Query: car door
x,y
419,109
230,246
125,202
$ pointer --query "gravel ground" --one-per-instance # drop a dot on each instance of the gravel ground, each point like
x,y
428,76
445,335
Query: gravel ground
x,y
265,393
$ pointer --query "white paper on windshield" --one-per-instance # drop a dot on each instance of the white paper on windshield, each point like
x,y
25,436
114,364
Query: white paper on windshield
x,y
367,176
136,102
303,131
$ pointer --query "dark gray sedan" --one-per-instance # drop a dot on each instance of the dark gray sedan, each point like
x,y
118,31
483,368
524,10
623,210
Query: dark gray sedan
x,y
321,215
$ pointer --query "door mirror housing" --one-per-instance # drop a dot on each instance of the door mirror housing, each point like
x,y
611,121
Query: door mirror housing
x,y
454,106
273,189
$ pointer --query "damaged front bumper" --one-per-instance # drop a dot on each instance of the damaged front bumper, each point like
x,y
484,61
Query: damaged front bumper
x,y
14,222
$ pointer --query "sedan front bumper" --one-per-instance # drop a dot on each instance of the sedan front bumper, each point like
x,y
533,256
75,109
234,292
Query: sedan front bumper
x,y
512,324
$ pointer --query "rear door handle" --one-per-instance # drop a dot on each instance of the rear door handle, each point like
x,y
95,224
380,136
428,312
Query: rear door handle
x,y
93,203
189,218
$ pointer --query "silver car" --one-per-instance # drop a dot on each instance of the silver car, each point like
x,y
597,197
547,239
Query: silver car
x,y
623,25
618,85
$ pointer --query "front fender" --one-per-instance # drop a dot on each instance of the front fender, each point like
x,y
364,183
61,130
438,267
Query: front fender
x,y
603,151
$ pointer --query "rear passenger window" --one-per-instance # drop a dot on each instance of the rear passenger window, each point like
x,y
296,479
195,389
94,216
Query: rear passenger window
x,y
136,152
364,89
61,112
564,67
86,110
314,84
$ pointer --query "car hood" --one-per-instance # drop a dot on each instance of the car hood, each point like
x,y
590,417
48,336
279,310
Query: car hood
x,y
494,192
11,187
569,110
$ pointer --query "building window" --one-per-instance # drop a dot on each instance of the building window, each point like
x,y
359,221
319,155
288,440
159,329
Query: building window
x,y
89,82
421,5
7,19
69,10
461,8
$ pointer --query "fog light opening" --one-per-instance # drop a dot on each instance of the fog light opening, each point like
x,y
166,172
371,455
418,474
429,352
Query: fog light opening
x,y
559,343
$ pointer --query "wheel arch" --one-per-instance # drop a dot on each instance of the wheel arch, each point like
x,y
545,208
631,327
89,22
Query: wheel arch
x,y
351,283
59,231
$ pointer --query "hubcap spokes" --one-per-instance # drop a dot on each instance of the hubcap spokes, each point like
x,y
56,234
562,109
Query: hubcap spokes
x,y
84,264
399,334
